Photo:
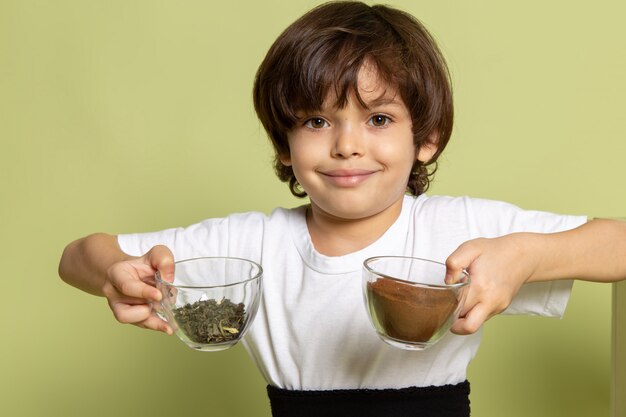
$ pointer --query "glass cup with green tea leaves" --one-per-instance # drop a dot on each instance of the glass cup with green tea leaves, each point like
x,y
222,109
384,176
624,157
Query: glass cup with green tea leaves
x,y
212,300
408,300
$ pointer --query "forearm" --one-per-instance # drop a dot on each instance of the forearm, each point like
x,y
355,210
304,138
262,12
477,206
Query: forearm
x,y
85,262
595,251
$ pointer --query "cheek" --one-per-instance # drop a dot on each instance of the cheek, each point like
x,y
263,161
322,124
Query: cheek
x,y
398,155
300,158
305,152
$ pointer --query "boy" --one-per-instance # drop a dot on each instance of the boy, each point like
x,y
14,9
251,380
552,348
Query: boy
x,y
357,103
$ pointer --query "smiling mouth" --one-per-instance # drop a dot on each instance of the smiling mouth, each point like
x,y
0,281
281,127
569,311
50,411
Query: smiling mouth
x,y
347,177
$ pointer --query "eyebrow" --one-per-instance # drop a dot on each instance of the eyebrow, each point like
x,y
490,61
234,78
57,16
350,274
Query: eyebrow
x,y
385,100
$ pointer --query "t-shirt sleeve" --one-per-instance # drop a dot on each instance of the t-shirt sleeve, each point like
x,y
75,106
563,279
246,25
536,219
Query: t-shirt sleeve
x,y
137,244
236,235
496,219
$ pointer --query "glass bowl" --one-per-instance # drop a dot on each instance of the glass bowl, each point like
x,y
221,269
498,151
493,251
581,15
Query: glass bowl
x,y
408,302
212,300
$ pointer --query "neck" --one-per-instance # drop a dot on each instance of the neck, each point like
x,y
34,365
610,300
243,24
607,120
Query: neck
x,y
332,236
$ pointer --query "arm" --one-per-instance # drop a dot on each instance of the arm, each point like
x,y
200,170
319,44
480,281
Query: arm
x,y
84,262
97,265
595,251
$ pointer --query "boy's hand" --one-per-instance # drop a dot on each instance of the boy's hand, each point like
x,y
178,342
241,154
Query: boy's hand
x,y
497,267
129,288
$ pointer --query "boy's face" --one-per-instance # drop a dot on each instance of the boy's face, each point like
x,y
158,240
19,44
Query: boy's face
x,y
355,162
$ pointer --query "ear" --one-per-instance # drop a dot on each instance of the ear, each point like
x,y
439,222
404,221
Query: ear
x,y
285,159
428,148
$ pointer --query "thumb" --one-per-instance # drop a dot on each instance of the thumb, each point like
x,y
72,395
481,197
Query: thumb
x,y
460,260
161,259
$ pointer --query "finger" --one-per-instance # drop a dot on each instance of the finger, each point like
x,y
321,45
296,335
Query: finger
x,y
161,259
472,321
130,286
126,278
467,307
461,259
130,313
474,296
155,323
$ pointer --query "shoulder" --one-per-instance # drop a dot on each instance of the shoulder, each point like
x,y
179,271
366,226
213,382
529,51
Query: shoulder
x,y
456,207
246,225
485,217
455,203
212,236
447,216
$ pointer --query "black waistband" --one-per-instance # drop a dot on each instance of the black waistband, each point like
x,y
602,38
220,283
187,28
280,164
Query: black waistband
x,y
440,401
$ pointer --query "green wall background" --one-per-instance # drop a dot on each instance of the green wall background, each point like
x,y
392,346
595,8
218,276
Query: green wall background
x,y
125,116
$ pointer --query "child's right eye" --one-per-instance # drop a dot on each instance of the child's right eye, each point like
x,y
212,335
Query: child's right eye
x,y
316,123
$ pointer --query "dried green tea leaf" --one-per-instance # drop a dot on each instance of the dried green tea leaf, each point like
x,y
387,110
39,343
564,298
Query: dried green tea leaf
x,y
211,321
231,330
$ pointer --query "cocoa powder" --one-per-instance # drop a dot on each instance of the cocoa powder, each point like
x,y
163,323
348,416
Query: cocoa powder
x,y
408,312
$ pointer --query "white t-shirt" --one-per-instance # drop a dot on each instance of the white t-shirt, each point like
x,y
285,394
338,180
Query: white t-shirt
x,y
312,331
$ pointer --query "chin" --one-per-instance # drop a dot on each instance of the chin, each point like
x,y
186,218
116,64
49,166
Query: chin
x,y
355,207
351,211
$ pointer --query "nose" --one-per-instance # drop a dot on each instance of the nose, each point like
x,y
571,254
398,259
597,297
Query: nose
x,y
348,143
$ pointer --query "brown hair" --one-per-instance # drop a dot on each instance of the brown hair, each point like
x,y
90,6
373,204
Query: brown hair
x,y
325,49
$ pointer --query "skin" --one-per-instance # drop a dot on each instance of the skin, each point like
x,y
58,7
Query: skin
x,y
97,265
593,252
354,163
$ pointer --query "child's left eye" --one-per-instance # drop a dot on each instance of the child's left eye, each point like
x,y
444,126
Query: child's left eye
x,y
379,120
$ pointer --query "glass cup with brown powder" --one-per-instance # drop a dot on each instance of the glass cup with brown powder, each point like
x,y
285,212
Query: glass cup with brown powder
x,y
212,300
408,301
